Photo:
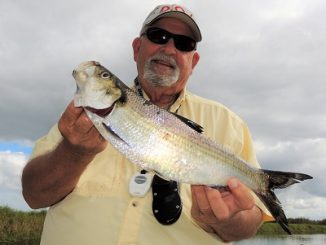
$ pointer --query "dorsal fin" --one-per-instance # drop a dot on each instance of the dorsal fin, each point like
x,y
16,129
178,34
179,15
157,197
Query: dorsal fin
x,y
190,123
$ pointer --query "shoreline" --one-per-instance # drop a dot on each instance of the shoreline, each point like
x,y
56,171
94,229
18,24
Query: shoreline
x,y
274,229
26,226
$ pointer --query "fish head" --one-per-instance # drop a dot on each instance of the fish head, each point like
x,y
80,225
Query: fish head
x,y
97,88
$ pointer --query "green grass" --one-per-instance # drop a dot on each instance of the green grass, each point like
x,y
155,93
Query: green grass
x,y
272,228
18,226
26,227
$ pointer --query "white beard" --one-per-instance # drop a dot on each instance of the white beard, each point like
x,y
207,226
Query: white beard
x,y
161,80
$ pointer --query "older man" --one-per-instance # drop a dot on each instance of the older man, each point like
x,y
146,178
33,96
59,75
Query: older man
x,y
86,182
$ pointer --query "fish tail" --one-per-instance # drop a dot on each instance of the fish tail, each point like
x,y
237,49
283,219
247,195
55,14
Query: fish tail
x,y
277,180
274,206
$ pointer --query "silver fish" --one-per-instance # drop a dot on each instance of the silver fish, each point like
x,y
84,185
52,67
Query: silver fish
x,y
168,144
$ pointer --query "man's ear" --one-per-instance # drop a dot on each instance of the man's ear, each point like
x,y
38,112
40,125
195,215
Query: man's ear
x,y
136,46
195,59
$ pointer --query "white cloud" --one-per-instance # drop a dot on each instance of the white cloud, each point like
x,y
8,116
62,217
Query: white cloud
x,y
308,198
299,203
301,155
11,165
304,153
281,10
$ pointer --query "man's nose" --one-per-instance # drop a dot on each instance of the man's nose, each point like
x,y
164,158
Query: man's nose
x,y
169,47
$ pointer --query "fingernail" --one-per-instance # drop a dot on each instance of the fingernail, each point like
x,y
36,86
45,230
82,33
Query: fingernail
x,y
233,183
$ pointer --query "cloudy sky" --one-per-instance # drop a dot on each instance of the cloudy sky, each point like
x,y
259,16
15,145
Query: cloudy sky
x,y
263,59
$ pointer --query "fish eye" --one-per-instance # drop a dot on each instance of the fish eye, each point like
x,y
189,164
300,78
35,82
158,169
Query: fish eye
x,y
105,75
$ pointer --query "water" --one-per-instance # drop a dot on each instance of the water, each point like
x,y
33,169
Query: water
x,y
285,240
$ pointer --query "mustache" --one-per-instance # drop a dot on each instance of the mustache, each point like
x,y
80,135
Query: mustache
x,y
164,58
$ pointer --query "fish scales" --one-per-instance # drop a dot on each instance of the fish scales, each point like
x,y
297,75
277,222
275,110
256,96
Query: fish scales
x,y
161,147
157,140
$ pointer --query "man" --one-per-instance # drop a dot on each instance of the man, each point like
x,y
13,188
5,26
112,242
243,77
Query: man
x,y
86,181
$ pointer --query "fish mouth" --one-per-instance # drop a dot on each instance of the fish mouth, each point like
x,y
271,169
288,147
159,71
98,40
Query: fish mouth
x,y
101,112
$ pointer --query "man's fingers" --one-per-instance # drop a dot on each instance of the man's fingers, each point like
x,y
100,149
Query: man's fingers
x,y
210,204
243,198
71,114
83,124
200,198
75,121
218,205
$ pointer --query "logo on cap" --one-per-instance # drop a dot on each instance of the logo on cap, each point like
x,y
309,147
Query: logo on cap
x,y
175,11
167,8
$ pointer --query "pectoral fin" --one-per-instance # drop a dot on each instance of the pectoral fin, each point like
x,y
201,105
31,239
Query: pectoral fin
x,y
191,124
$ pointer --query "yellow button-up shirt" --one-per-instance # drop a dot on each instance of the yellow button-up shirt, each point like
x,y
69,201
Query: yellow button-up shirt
x,y
100,209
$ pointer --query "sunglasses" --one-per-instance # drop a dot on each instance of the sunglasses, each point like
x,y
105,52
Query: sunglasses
x,y
160,36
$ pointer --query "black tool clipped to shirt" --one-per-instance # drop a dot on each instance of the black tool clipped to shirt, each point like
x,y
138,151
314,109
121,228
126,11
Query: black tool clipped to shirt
x,y
167,205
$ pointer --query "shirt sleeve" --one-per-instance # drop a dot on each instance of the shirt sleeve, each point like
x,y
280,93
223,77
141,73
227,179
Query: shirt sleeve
x,y
47,143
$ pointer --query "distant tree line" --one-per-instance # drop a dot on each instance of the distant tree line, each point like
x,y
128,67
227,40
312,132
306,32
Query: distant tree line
x,y
306,221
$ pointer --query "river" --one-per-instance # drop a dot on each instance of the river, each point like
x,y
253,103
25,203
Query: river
x,y
285,240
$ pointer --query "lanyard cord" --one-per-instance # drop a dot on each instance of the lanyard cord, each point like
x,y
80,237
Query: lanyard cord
x,y
138,88
140,92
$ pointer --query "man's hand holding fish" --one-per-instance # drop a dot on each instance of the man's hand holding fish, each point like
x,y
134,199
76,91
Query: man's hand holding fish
x,y
79,132
219,210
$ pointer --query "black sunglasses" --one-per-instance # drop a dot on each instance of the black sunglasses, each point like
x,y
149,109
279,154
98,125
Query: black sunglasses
x,y
160,36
